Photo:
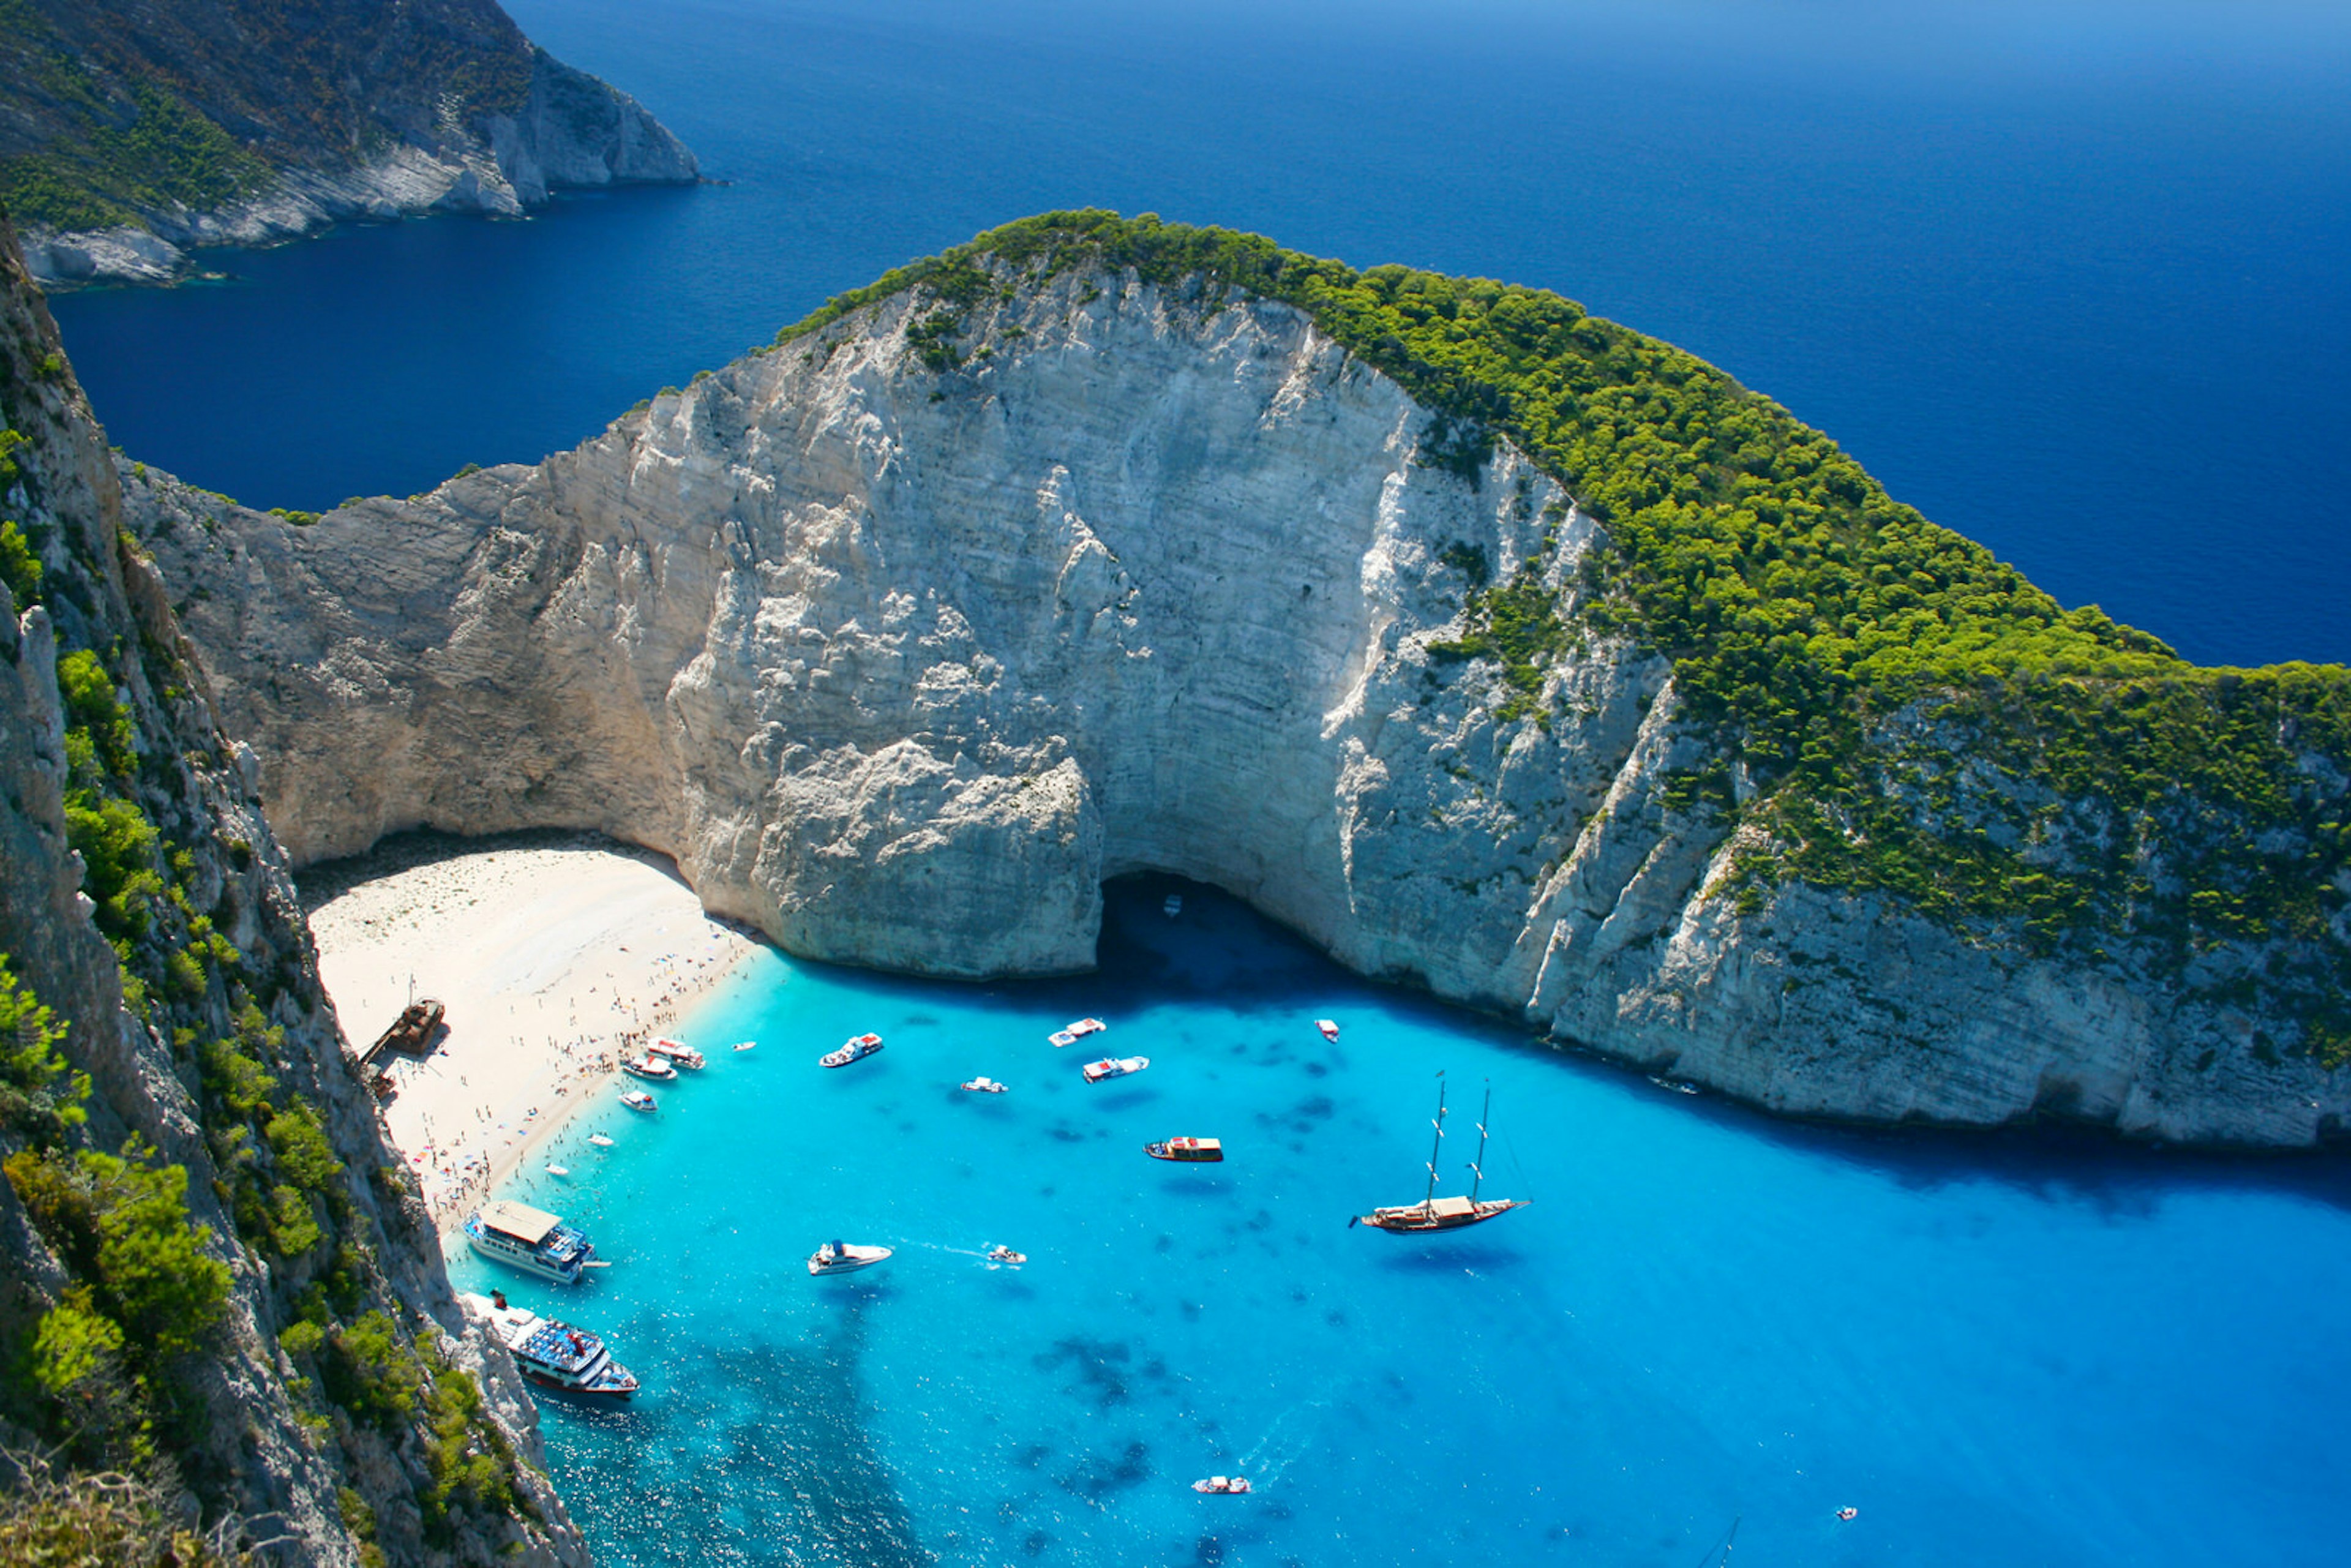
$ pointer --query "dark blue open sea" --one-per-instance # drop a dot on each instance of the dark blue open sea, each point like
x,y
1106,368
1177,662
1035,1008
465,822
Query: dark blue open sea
x,y
2073,278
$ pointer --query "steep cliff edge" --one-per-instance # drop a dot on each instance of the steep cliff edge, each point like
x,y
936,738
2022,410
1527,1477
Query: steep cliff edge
x,y
214,1272
1496,649
132,135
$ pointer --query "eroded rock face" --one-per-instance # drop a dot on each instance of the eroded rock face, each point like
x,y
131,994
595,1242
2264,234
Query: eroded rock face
x,y
900,659
260,1445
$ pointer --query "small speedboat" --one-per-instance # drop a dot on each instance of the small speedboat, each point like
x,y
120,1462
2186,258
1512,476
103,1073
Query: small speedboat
x,y
1175,906
1329,1027
559,1170
636,1100
649,1066
857,1050
1187,1151
678,1052
844,1258
1114,1067
1005,1255
1227,1485
604,1140
984,1086
746,1045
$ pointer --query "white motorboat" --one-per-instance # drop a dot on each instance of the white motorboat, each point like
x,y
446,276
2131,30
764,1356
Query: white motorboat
x,y
1330,1028
604,1140
844,1258
746,1045
984,1086
649,1066
1175,906
1114,1067
1070,1033
636,1100
553,1353
559,1170
856,1049
1005,1256
531,1239
678,1053
1229,1486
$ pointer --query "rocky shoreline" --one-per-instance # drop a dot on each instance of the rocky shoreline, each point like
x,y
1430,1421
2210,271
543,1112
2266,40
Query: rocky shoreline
x,y
900,659
572,132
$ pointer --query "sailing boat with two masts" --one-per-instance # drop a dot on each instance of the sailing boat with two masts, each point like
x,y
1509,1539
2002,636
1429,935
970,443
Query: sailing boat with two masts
x,y
1435,1213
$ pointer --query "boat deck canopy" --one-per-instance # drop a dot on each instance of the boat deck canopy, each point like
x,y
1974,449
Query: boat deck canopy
x,y
527,1224
1450,1206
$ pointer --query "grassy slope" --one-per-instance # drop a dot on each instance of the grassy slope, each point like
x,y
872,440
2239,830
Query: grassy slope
x,y
1919,719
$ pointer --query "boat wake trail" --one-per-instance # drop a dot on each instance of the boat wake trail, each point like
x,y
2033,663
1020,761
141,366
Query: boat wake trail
x,y
1283,1441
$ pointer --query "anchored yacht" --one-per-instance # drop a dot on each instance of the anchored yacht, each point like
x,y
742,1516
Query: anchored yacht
x,y
1435,1213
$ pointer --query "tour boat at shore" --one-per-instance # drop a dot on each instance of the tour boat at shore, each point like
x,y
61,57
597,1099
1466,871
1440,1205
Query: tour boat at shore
x,y
1330,1028
857,1050
649,1066
1435,1213
844,1258
1229,1486
551,1353
1118,1067
678,1053
531,1239
636,1100
984,1086
1187,1151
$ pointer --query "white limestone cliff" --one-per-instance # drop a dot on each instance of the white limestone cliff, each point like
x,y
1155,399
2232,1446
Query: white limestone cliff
x,y
900,662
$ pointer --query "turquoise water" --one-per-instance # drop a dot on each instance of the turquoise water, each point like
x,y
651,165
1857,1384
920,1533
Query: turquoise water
x,y
1999,1350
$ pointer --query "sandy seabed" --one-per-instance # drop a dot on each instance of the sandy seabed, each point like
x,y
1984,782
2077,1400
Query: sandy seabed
x,y
553,961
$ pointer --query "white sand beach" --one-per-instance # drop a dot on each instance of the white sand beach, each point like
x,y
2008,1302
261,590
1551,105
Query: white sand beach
x,y
552,961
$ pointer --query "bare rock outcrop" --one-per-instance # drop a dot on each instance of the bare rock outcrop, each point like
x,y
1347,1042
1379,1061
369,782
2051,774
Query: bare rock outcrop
x,y
901,637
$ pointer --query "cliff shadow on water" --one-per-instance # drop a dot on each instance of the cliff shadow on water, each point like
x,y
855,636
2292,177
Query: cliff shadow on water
x,y
1101,546
1221,948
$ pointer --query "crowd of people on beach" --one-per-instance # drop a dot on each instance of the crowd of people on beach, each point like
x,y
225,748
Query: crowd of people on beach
x,y
457,1167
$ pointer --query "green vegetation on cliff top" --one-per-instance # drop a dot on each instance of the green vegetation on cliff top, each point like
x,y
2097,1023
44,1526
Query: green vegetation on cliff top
x,y
1915,717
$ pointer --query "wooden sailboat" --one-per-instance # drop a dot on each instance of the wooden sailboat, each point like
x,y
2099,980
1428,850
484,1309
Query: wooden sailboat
x,y
1435,1213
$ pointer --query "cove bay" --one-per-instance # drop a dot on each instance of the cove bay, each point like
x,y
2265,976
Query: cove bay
x,y
1903,1009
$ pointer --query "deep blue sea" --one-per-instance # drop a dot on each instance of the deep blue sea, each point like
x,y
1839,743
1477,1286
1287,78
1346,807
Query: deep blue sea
x,y
2074,276
2069,277
1999,1351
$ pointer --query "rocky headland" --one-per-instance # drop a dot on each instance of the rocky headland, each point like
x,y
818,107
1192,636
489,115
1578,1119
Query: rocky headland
x,y
133,135
216,1276
1498,649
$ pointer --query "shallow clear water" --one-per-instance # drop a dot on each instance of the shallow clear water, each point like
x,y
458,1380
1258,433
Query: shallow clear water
x,y
2068,275
1999,1350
